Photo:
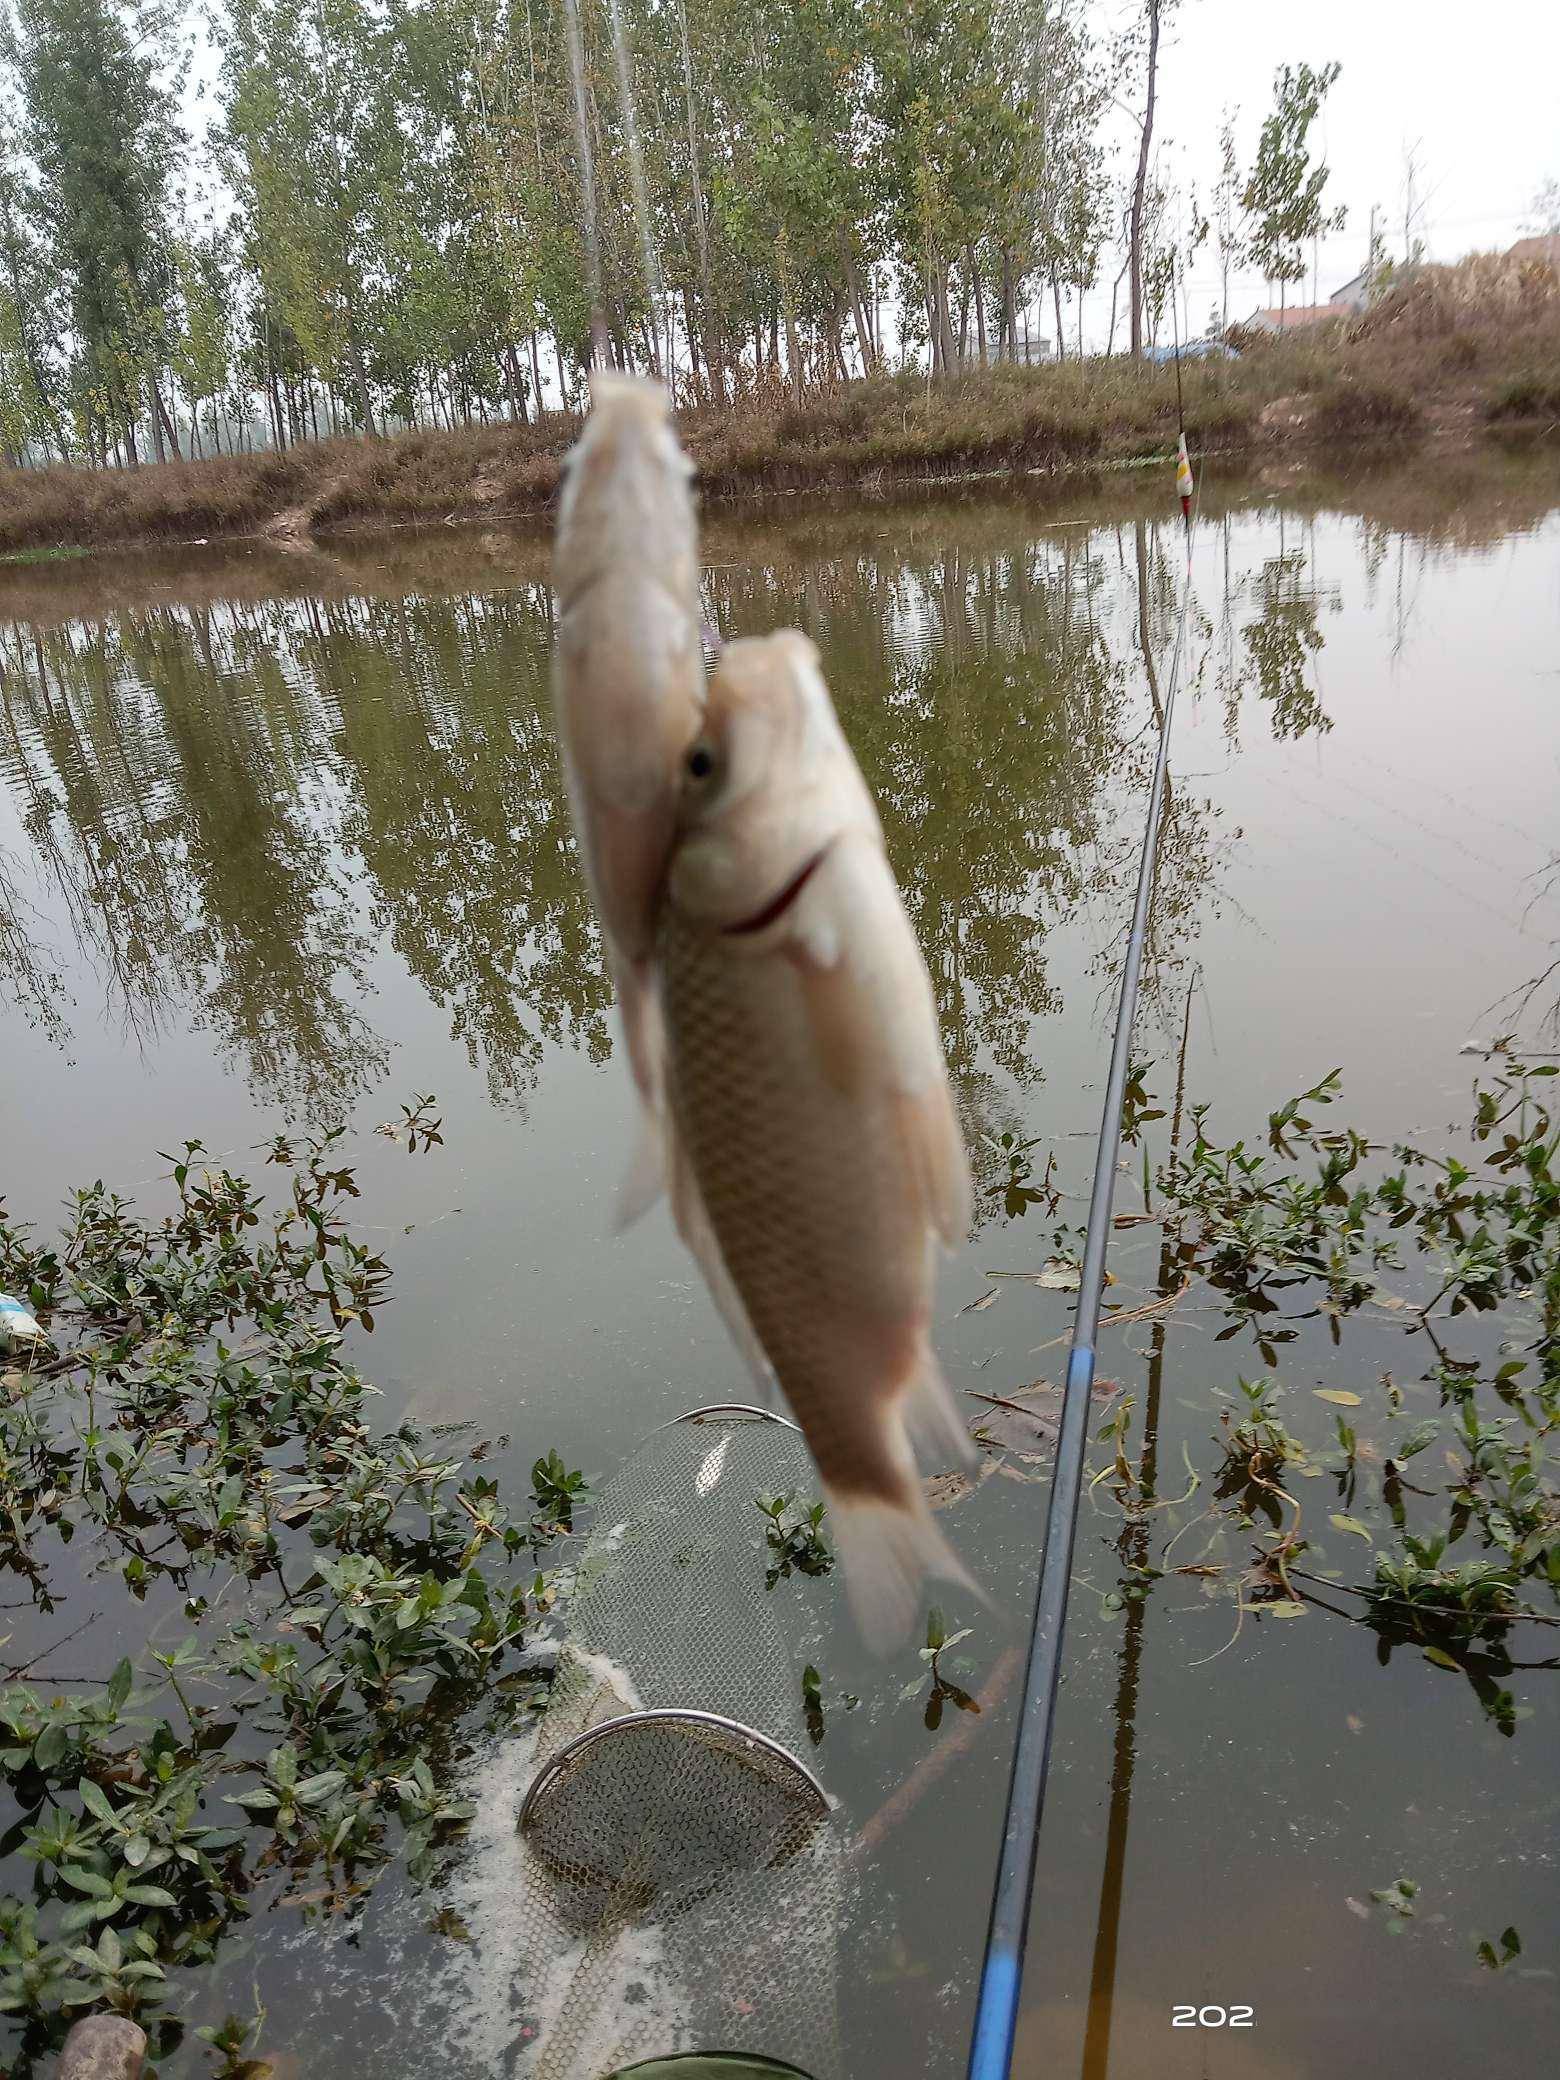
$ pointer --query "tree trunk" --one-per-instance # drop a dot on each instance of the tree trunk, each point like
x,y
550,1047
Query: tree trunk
x,y
700,222
536,374
793,351
693,345
156,418
1056,297
1142,178
1009,309
514,375
365,405
978,291
858,315
160,411
271,391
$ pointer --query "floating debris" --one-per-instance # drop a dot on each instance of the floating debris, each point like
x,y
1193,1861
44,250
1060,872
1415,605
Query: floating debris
x,y
19,1328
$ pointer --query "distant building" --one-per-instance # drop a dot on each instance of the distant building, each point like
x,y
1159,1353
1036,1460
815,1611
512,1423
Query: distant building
x,y
1354,295
1294,319
1028,347
1545,247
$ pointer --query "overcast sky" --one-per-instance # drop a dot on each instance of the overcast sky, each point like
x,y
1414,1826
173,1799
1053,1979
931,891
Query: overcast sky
x,y
1478,86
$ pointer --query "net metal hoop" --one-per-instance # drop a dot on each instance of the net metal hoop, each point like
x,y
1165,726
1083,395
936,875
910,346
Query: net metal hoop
x,y
730,1408
811,1790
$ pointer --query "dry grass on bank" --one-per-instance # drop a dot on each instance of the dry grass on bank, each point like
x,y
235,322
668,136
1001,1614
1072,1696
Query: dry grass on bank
x,y
1455,348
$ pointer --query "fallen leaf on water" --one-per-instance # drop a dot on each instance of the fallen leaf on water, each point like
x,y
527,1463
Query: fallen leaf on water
x,y
1341,1395
943,1490
1355,1723
1028,1419
1442,1659
1383,1298
1350,1524
1285,1607
1358,1908
979,1306
1055,1274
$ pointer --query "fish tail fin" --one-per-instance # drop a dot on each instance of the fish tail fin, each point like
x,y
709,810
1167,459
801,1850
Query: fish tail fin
x,y
887,1549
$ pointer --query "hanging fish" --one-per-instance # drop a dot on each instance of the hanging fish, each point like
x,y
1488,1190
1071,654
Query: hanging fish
x,y
628,680
628,688
811,1106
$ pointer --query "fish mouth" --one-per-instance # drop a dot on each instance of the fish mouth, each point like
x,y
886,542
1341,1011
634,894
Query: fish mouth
x,y
778,905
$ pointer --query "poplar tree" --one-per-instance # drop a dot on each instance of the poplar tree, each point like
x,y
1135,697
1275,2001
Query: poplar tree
x,y
1284,192
97,86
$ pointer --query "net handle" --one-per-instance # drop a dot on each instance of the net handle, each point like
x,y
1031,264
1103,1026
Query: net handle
x,y
662,1715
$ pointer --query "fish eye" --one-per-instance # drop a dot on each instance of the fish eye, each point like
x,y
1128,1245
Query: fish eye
x,y
701,761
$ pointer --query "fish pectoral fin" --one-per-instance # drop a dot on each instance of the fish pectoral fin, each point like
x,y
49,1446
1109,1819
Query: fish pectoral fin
x,y
645,1178
874,1023
644,1035
931,1417
644,1025
935,1159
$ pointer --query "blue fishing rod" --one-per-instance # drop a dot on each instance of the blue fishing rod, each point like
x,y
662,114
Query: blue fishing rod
x,y
996,2011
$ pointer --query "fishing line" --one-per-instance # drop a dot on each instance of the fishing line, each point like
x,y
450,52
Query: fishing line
x,y
996,2011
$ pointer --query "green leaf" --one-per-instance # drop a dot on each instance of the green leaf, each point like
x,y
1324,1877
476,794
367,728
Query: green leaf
x,y
1285,1607
150,1896
314,1791
50,1745
1341,1395
96,1802
1350,1524
1442,1659
119,1685
90,1882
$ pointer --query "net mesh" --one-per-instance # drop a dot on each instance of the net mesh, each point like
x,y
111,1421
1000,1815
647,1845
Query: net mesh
x,y
682,1873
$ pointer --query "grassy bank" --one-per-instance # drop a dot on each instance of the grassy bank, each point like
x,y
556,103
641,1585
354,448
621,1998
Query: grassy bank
x,y
1457,351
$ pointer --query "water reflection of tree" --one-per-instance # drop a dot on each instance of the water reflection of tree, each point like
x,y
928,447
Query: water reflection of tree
x,y
25,974
987,711
237,800
1282,642
459,815
183,847
235,803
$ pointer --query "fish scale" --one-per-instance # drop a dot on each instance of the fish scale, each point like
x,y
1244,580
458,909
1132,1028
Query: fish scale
x,y
795,1178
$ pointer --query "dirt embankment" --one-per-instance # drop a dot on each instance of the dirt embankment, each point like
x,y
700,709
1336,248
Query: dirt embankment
x,y
1454,353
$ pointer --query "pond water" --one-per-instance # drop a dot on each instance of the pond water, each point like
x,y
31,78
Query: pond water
x,y
282,836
